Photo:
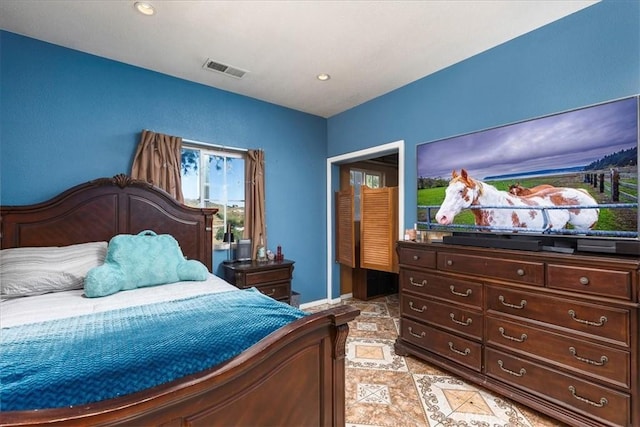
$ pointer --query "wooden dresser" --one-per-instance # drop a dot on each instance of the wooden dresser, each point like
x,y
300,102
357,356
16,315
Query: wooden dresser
x,y
272,278
556,332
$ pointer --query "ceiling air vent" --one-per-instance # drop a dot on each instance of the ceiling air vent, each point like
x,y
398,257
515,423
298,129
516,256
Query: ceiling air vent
x,y
227,70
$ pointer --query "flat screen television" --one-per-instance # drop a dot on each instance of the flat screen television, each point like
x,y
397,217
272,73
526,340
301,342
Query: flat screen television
x,y
565,181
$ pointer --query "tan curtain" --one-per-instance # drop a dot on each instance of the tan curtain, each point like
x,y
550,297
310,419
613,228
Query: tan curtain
x,y
158,160
254,200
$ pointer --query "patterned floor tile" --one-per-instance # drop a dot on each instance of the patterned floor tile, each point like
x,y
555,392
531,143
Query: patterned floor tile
x,y
379,327
373,393
370,308
373,353
395,404
451,401
367,326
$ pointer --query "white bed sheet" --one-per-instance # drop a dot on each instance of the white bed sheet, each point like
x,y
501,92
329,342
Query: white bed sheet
x,y
59,305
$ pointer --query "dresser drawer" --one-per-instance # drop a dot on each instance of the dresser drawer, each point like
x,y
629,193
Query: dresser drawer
x,y
606,405
276,290
417,257
610,283
606,323
531,273
566,352
447,316
460,350
459,291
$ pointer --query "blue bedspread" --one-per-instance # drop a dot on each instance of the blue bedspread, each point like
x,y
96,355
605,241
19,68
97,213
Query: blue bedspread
x,y
78,360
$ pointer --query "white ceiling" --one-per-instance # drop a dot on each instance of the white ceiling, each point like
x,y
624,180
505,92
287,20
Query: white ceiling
x,y
368,47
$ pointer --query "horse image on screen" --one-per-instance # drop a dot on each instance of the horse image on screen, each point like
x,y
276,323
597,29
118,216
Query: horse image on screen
x,y
543,208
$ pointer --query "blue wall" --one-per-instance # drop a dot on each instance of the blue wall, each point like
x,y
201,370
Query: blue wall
x,y
588,57
67,117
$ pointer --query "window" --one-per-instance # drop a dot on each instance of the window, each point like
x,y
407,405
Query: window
x,y
360,177
215,179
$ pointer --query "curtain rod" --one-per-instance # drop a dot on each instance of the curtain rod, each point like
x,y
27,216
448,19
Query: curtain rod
x,y
208,144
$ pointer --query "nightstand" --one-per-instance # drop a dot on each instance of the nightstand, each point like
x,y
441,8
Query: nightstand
x,y
272,278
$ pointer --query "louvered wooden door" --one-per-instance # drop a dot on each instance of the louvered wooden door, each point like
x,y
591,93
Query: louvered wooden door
x,y
379,228
345,228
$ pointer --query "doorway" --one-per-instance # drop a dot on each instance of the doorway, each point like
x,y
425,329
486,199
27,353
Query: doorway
x,y
383,153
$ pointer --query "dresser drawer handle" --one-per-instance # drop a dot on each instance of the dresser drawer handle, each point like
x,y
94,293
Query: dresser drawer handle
x,y
270,294
520,272
460,352
574,353
603,400
449,262
460,294
602,321
584,280
510,372
523,303
460,322
419,310
522,338
421,284
416,257
420,335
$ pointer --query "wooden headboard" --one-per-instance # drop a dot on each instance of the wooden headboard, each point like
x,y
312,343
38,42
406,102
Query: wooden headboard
x,y
102,208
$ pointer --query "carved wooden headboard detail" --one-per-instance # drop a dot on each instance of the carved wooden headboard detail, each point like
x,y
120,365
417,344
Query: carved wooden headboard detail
x,y
102,208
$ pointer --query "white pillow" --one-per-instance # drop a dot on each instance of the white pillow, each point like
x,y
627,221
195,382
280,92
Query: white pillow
x,y
35,271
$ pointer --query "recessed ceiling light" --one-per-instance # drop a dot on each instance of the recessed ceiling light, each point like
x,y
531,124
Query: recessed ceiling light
x,y
323,77
144,8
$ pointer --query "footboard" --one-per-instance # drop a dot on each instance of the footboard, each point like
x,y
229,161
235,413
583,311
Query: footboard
x,y
294,377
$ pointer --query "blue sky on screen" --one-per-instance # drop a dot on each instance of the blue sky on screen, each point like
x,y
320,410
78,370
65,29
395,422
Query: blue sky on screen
x,y
574,138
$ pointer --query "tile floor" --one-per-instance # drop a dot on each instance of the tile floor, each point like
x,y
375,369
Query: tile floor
x,y
383,389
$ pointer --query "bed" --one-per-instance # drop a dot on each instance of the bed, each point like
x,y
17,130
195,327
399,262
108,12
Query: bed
x,y
292,377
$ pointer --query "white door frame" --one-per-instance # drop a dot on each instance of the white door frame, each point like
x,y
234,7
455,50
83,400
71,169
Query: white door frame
x,y
368,153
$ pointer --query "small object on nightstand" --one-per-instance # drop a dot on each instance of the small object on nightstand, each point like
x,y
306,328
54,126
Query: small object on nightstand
x,y
261,253
243,250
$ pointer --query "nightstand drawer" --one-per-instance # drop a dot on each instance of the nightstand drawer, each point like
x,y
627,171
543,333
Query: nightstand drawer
x,y
267,276
276,290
